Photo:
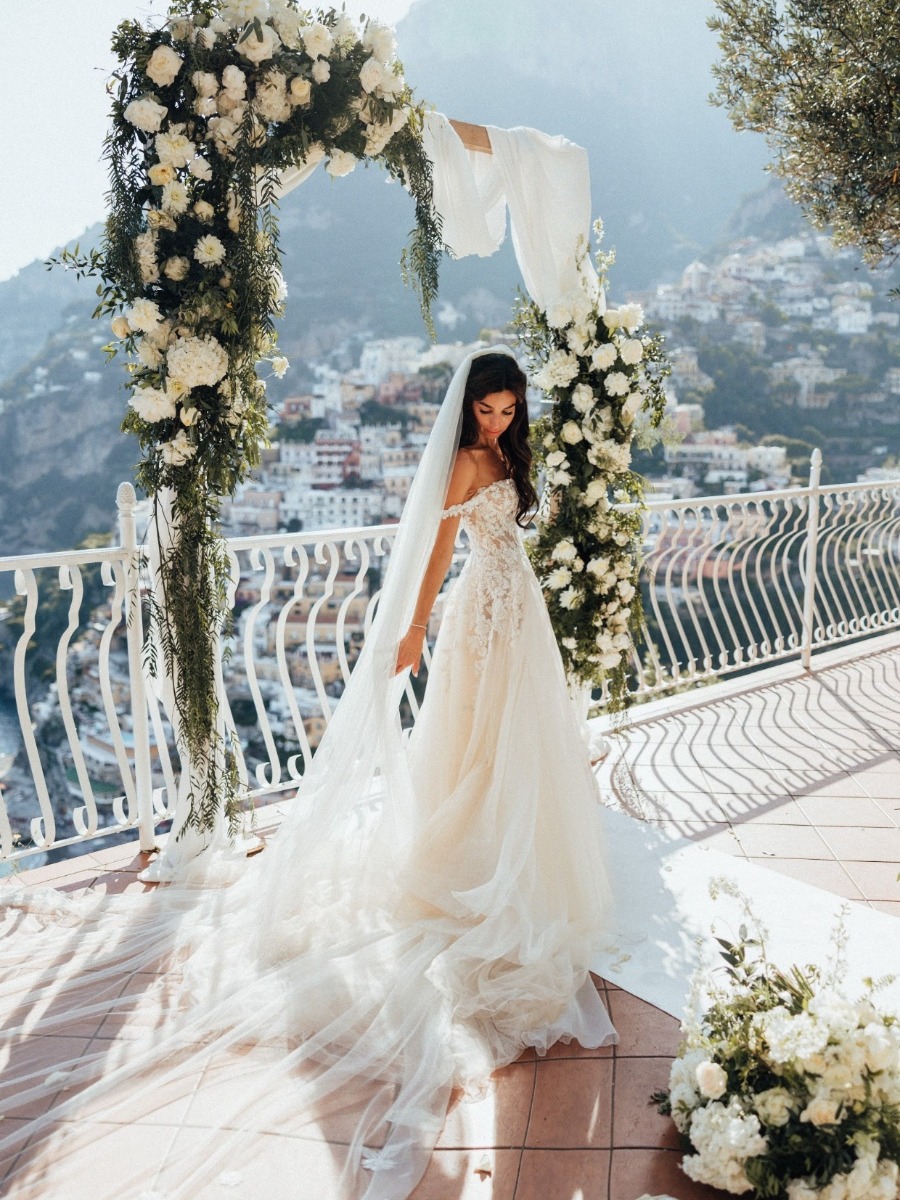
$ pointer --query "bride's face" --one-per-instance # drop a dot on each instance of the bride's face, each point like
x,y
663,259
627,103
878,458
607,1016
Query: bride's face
x,y
494,413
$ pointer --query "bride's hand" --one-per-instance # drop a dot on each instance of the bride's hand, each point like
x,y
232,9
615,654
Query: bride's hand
x,y
409,652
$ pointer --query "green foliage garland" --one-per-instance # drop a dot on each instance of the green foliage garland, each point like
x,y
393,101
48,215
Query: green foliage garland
x,y
207,112
600,376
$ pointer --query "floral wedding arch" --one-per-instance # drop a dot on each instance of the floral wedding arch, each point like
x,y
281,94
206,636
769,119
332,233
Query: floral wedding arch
x,y
215,115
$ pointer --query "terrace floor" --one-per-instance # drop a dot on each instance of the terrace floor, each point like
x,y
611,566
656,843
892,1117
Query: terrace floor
x,y
799,773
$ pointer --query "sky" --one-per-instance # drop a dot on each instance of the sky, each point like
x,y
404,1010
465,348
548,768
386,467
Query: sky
x,y
53,74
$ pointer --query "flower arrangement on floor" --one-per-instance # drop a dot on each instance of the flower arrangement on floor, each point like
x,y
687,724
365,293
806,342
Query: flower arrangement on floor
x,y
601,374
786,1088
207,112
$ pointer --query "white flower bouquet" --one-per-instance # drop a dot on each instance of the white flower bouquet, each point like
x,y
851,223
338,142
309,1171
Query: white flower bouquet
x,y
787,1089
590,361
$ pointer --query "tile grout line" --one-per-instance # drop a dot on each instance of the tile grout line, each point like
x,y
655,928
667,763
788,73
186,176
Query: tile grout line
x,y
525,1136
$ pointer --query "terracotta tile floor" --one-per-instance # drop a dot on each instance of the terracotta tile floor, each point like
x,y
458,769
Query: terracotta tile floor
x,y
801,775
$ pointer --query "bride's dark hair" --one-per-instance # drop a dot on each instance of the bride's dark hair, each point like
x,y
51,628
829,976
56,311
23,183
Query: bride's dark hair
x,y
490,373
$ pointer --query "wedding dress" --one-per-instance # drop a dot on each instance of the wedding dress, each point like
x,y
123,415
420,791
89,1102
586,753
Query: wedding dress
x,y
428,909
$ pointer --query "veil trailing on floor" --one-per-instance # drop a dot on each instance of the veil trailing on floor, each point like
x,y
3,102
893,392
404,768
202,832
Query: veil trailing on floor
x,y
310,994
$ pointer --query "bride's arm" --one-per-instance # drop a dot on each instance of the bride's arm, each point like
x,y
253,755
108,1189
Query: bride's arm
x,y
462,479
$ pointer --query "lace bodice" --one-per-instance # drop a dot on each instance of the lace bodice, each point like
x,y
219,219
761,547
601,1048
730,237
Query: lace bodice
x,y
489,593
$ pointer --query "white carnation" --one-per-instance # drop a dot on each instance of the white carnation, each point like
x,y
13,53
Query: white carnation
x,y
616,383
163,65
576,340
177,452
565,551
724,1137
340,162
321,71
176,268
583,398
631,317
603,357
881,1049
144,315
146,114
160,174
234,81
175,198
197,362
200,169
152,405
380,40
148,354
345,30
558,371
280,366
599,566
559,578
205,83
204,211
570,598
174,148
631,351
271,100
257,49
571,433
318,40
209,251
239,12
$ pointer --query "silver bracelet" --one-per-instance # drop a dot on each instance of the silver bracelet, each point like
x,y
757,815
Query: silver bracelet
x,y
415,625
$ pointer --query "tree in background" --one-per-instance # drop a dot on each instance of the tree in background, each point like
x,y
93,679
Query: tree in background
x,y
821,80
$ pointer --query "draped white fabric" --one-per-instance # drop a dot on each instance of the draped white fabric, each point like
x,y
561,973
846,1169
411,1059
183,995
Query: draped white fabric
x,y
544,183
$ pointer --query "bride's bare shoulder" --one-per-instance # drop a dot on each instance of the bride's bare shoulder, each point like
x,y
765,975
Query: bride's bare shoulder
x,y
462,477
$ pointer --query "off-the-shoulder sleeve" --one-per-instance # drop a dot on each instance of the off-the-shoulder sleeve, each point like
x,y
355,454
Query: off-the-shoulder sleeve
x,y
455,510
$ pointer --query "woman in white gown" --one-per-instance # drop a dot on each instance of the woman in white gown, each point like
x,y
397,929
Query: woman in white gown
x,y
426,911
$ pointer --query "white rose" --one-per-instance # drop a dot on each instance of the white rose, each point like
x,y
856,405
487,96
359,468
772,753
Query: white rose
x,y
163,65
257,48
209,251
821,1110
379,39
632,407
237,13
300,90
880,1048
160,174
559,478
557,458
146,114
177,452
371,75
175,197
711,1080
189,416
234,81
205,83
120,327
144,315
204,211
616,383
206,37
559,578
598,566
321,71
152,405
626,592
631,351
200,168
570,598
571,433
594,492
340,162
176,268
603,357
565,551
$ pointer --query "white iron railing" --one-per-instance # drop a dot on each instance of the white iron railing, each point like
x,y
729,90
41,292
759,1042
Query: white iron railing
x,y
729,584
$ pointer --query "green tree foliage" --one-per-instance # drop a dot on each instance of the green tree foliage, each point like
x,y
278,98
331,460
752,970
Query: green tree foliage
x,y
821,80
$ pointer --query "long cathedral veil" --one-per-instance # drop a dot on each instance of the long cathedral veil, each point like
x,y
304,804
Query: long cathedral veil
x,y
312,999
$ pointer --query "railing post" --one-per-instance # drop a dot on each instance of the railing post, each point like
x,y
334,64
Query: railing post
x,y
810,557
134,632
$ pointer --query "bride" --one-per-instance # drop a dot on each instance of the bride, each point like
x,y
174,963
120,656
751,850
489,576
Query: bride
x,y
428,909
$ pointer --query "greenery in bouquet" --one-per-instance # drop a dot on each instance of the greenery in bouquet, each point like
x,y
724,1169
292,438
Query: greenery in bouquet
x,y
208,110
605,380
786,1088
